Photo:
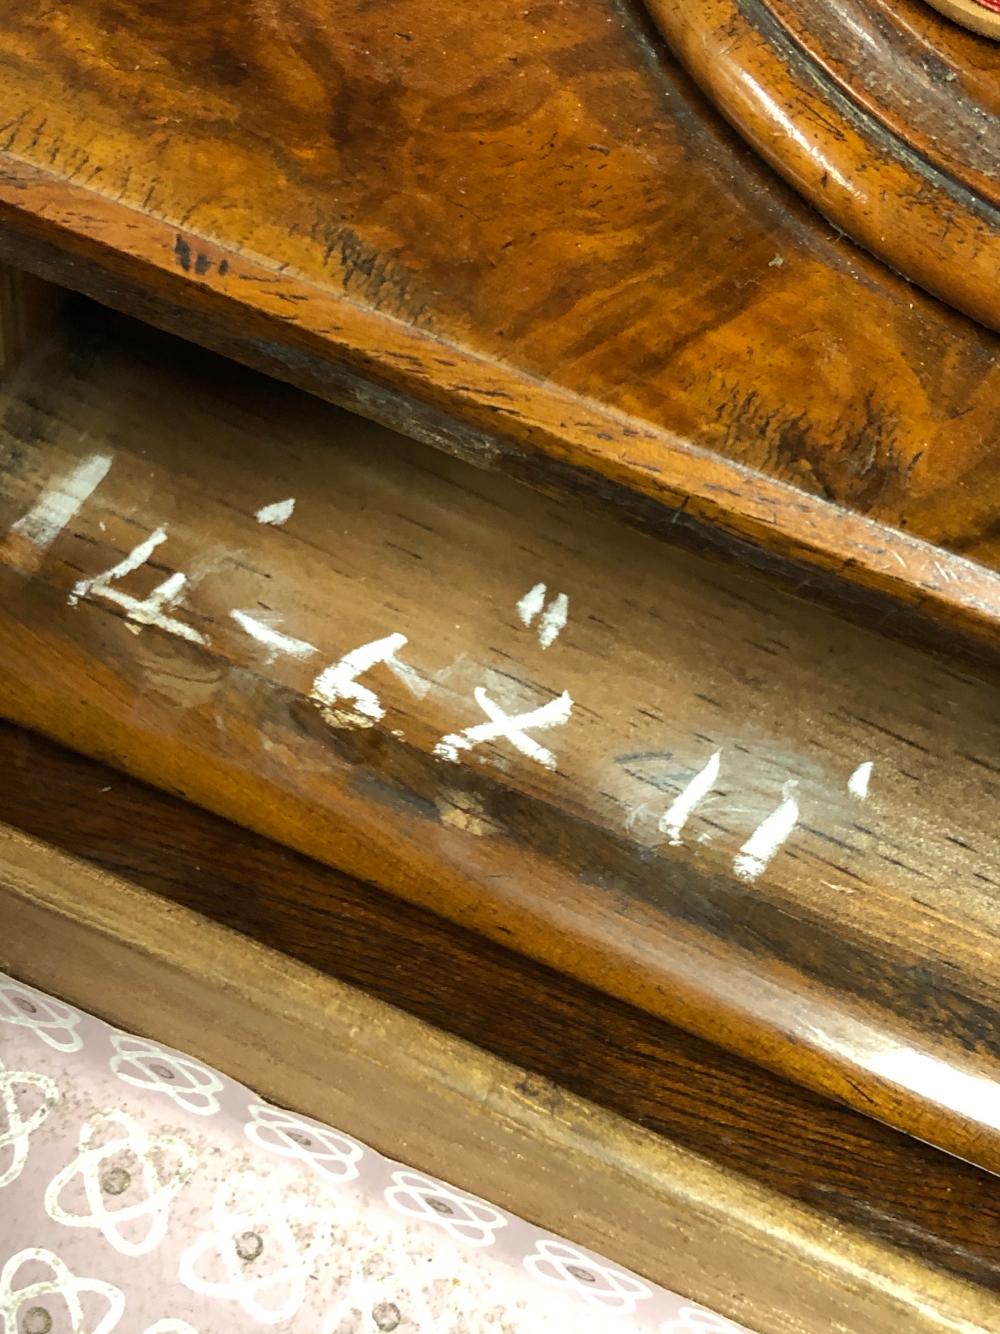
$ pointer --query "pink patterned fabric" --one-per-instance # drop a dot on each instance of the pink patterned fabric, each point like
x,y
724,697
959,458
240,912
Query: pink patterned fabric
x,y
143,1193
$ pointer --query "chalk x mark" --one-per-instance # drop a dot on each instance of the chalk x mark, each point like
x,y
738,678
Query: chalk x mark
x,y
513,729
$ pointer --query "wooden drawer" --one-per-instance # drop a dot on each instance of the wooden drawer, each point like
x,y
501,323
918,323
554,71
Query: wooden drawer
x,y
119,439
742,814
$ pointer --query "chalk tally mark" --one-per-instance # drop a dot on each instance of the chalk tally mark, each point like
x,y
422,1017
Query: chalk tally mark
x,y
273,640
858,782
60,504
151,610
340,682
513,729
674,820
757,852
277,514
553,617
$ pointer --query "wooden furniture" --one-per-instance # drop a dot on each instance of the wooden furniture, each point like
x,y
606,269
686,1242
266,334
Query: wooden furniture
x,y
884,115
661,736
162,627
842,1166
531,242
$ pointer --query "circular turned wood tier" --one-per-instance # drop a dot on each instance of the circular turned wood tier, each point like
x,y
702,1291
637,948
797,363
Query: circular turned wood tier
x,y
881,112
979,15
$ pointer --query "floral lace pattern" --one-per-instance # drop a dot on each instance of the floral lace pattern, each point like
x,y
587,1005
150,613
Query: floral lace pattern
x,y
142,1191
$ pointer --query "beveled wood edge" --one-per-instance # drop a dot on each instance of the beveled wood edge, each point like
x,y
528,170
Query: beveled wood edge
x,y
970,15
442,1106
848,165
493,415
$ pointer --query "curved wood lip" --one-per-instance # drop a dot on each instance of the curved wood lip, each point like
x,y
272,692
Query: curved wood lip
x,y
913,91
922,221
970,15
487,411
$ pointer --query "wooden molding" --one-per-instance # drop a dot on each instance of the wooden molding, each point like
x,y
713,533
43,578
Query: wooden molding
x,y
444,1107
923,201
818,963
971,15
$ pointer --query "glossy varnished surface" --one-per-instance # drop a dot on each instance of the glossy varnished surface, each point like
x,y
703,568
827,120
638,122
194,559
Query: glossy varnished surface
x,y
933,86
859,956
882,115
738,1116
522,235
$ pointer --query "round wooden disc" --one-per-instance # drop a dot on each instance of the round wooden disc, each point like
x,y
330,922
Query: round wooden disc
x,y
971,15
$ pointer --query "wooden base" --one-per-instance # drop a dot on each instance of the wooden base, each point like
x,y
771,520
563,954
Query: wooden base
x,y
847,1168
445,1108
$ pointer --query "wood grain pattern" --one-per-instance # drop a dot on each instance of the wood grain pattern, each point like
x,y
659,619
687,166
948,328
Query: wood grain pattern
x,y
521,235
848,1168
446,1108
861,961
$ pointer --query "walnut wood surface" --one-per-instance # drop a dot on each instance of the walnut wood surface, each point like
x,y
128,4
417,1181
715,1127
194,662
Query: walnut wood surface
x,y
862,961
438,1104
519,233
736,1115
27,307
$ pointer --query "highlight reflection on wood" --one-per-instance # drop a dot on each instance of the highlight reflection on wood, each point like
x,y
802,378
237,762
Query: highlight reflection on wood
x,y
880,112
381,681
